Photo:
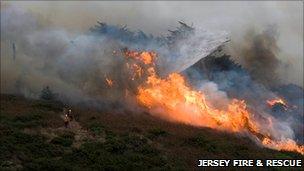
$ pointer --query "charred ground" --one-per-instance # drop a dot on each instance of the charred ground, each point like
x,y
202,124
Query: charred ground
x,y
33,137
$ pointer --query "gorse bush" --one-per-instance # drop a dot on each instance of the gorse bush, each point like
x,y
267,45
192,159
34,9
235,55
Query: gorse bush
x,y
30,120
66,139
197,141
157,132
96,127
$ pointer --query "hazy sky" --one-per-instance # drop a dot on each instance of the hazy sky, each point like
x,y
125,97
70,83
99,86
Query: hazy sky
x,y
157,17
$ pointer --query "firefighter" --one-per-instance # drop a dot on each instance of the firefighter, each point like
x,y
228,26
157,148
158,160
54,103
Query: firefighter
x,y
67,116
66,121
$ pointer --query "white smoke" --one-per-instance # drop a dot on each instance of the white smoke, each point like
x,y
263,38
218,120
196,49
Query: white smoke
x,y
192,49
75,65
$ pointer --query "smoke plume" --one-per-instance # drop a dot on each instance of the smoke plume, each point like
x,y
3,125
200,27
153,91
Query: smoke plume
x,y
259,53
76,65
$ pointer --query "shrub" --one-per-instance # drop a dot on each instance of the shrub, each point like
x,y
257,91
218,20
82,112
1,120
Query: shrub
x,y
198,141
283,156
96,128
115,145
66,139
122,152
55,106
156,132
47,94
48,164
27,121
26,147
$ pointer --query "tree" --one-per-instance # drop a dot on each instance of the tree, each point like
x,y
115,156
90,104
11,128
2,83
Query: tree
x,y
47,94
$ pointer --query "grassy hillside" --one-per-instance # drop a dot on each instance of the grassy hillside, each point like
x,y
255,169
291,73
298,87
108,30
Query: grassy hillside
x,y
32,137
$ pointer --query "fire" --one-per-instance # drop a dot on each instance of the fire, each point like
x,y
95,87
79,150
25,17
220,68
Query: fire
x,y
138,68
172,99
145,57
137,71
177,102
286,145
109,82
276,101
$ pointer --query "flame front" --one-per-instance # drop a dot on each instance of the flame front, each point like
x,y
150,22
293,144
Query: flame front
x,y
286,145
276,101
172,99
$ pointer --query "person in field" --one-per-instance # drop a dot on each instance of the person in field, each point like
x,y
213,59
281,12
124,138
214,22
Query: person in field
x,y
66,121
67,117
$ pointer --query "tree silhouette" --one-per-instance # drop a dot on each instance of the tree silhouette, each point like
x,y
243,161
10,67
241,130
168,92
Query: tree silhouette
x,y
47,94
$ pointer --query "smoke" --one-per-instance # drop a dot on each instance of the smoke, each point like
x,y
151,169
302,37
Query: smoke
x,y
218,98
48,56
221,79
259,55
76,65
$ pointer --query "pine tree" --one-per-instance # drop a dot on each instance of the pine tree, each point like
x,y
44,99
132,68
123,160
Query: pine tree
x,y
47,94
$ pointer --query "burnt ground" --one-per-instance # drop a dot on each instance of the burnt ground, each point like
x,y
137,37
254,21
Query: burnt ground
x,y
32,137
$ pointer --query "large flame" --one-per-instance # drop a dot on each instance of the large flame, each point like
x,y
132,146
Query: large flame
x,y
172,99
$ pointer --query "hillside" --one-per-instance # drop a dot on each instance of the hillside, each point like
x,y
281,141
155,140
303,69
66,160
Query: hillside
x,y
33,137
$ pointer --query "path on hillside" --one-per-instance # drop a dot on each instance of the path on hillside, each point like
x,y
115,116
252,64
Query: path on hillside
x,y
81,135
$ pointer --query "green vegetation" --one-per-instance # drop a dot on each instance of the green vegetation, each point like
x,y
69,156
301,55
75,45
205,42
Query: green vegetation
x,y
32,137
198,141
96,127
157,132
23,121
54,106
27,148
118,153
65,139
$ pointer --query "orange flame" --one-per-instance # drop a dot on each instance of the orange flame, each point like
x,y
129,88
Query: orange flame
x,y
177,102
137,71
109,82
285,145
145,57
172,99
276,101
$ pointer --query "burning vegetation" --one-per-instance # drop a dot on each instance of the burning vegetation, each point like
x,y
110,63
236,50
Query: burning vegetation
x,y
273,102
173,99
